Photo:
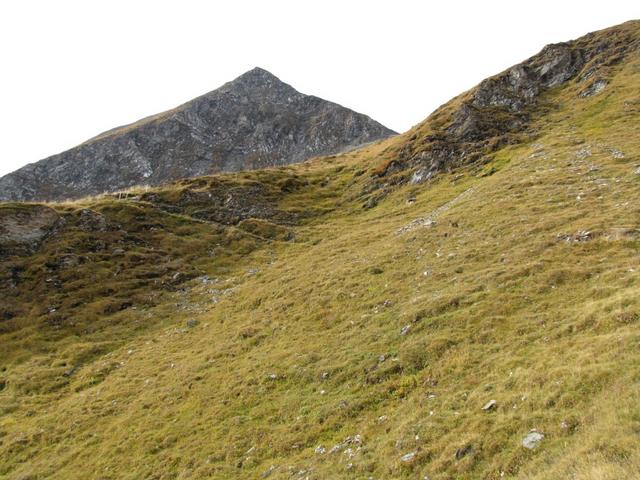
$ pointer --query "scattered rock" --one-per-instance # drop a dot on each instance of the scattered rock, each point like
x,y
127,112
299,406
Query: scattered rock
x,y
336,448
595,88
192,322
584,152
490,405
532,439
430,220
408,457
355,440
617,153
118,252
405,329
320,450
579,236
268,472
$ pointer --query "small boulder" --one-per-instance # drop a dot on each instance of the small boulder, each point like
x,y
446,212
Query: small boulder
x,y
490,405
408,457
532,439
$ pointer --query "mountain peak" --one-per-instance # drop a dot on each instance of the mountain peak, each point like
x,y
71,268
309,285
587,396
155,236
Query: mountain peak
x,y
253,121
259,72
258,78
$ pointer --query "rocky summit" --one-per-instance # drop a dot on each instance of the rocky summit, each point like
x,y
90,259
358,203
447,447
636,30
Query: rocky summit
x,y
254,121
459,301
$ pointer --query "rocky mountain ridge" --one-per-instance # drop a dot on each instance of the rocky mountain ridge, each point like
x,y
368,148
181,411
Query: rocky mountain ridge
x,y
254,121
497,112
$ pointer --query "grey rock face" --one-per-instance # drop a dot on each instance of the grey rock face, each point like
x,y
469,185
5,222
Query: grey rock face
x,y
251,122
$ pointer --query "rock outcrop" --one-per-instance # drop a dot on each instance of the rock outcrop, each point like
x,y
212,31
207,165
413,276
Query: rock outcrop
x,y
251,122
496,111
24,227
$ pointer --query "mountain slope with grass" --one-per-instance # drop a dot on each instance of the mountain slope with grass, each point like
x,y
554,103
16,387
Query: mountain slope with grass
x,y
460,301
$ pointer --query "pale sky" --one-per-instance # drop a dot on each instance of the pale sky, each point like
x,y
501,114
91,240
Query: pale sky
x,y
72,69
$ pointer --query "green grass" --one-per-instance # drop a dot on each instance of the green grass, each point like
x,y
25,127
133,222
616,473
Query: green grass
x,y
298,342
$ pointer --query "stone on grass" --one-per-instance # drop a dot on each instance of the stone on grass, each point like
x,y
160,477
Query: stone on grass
x,y
408,457
532,439
490,405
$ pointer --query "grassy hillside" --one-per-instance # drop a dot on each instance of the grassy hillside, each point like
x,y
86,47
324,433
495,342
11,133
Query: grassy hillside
x,y
326,321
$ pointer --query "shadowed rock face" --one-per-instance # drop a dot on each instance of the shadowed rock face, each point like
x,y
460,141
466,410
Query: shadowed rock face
x,y
252,122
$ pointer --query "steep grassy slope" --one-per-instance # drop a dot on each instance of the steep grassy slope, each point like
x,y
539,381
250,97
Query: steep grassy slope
x,y
265,324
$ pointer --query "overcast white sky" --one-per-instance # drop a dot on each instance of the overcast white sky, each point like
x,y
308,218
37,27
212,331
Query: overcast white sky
x,y
72,69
